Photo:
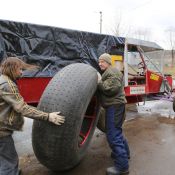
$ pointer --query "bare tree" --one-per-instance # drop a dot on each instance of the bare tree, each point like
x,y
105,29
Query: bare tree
x,y
142,33
170,31
119,28
116,29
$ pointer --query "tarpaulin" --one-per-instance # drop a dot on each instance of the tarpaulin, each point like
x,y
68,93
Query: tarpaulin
x,y
52,48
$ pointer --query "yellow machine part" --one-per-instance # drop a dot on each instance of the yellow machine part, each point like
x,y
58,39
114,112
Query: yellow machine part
x,y
117,61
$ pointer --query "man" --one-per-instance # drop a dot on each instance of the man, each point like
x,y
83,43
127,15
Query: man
x,y
113,99
12,110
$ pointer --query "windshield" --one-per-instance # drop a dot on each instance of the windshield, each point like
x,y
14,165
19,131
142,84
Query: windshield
x,y
153,61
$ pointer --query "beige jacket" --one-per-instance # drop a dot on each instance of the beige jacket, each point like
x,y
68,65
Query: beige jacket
x,y
13,108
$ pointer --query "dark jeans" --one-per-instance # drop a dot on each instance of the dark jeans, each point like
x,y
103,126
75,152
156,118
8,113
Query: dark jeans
x,y
8,157
115,116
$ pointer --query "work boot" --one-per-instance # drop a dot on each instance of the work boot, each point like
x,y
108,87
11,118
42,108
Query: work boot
x,y
114,171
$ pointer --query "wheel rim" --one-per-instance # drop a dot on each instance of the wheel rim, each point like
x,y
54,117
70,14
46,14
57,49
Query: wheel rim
x,y
88,121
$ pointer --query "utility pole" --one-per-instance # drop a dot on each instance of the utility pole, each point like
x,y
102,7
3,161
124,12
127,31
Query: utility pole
x,y
100,21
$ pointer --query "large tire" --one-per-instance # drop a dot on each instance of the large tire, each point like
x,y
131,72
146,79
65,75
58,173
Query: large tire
x,y
70,91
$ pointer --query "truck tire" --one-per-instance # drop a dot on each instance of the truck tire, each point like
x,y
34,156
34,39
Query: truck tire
x,y
71,91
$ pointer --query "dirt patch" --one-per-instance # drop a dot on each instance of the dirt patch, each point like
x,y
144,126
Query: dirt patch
x,y
166,120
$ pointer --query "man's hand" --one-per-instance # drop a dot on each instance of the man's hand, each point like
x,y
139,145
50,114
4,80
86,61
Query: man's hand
x,y
55,118
99,77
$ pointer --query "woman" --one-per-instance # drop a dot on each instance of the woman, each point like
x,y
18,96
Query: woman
x,y
12,109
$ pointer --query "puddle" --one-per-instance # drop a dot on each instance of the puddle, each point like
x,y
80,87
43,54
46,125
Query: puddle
x,y
164,108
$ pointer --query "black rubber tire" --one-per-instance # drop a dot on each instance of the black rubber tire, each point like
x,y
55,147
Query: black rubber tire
x,y
70,91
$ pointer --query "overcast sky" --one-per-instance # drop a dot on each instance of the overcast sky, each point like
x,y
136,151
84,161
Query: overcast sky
x,y
154,16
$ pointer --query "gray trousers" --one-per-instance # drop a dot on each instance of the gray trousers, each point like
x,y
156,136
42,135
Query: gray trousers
x,y
8,157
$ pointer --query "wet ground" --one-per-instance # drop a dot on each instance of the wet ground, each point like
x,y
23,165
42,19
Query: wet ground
x,y
151,137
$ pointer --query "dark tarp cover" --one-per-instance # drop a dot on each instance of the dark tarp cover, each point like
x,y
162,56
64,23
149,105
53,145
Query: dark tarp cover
x,y
52,48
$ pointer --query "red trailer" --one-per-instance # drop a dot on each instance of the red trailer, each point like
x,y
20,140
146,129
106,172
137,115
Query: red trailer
x,y
141,63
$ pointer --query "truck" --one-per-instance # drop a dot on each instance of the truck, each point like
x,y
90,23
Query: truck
x,y
66,81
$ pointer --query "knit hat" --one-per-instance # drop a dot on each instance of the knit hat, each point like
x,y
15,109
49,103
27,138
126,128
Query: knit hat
x,y
106,57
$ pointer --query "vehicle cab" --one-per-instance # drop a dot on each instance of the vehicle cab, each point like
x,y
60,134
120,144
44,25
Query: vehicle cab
x,y
141,63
